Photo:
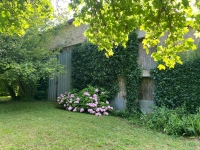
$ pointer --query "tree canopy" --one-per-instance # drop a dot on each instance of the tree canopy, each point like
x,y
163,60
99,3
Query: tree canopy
x,y
111,21
18,15
24,60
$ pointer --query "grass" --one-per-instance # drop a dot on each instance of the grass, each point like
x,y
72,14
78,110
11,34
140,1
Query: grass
x,y
41,126
4,98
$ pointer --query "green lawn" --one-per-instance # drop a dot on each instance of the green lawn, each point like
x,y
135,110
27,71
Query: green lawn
x,y
39,125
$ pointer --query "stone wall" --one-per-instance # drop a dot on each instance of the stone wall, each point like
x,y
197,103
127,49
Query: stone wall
x,y
68,36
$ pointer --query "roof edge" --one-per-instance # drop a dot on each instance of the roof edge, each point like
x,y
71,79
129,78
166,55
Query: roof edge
x,y
70,21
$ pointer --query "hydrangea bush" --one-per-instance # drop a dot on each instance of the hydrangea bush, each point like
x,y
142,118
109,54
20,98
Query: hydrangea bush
x,y
92,100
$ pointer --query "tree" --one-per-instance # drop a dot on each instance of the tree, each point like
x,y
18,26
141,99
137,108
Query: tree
x,y
112,20
17,15
24,60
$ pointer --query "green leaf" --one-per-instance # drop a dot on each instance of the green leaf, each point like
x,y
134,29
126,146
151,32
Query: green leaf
x,y
161,67
185,3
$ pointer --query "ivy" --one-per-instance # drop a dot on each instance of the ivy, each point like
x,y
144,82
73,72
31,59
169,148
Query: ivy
x,y
91,67
179,86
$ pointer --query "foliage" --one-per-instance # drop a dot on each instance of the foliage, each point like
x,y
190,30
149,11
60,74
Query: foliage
x,y
133,118
173,122
112,21
42,89
90,67
3,90
191,55
16,16
25,60
120,113
92,100
179,86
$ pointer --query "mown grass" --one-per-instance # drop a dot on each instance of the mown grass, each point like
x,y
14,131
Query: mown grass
x,y
41,126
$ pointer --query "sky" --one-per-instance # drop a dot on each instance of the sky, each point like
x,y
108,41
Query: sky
x,y
57,4
60,7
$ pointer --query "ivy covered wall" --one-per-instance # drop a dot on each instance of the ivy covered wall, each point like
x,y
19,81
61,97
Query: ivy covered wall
x,y
91,67
179,86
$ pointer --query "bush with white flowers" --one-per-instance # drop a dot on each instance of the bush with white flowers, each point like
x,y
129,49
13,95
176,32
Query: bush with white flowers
x,y
92,100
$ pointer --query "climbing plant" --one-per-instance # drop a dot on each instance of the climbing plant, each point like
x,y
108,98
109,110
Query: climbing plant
x,y
91,67
179,86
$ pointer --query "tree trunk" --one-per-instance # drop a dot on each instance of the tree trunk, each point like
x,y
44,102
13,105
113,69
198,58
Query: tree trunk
x,y
22,89
10,90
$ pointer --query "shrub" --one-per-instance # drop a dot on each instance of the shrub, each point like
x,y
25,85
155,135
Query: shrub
x,y
173,122
92,100
3,89
41,89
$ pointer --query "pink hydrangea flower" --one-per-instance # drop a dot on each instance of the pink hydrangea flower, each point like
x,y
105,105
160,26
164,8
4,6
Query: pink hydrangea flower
x,y
74,109
103,92
107,102
95,99
96,90
110,108
78,99
76,102
91,111
106,113
65,105
98,114
82,110
69,108
102,110
91,104
72,96
86,93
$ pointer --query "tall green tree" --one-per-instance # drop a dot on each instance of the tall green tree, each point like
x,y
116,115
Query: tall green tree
x,y
24,60
111,21
26,27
